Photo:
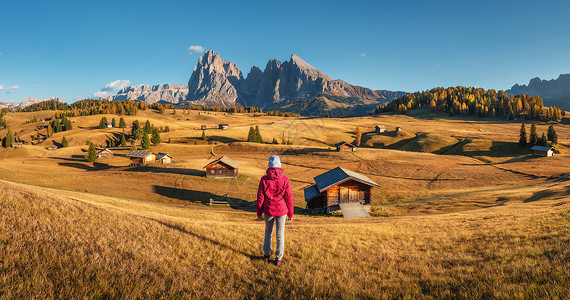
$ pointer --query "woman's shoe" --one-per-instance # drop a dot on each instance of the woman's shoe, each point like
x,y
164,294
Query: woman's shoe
x,y
266,258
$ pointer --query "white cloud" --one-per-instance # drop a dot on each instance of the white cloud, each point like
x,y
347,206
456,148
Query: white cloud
x,y
12,89
116,85
362,54
195,49
1,87
100,94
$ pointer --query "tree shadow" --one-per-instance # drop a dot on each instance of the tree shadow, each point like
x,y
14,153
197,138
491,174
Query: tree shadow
x,y
222,139
184,194
180,171
86,167
540,195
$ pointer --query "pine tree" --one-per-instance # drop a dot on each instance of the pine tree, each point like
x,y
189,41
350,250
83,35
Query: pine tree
x,y
552,136
145,141
166,129
204,138
155,138
522,135
67,124
64,142
358,134
103,123
8,140
123,140
147,127
113,123
251,135
258,137
91,155
174,111
122,123
49,132
533,138
543,141
136,125
133,146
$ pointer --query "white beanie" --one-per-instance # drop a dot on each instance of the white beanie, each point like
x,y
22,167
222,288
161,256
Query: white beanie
x,y
274,162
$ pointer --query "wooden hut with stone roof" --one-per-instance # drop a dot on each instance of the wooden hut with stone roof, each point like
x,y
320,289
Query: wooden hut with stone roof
x,y
337,186
223,167
140,157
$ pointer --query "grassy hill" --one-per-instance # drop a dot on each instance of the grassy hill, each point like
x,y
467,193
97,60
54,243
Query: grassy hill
x,y
66,244
464,212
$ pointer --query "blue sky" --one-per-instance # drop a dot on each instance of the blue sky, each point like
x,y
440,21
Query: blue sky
x,y
73,49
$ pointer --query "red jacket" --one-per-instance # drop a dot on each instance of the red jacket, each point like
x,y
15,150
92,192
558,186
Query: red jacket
x,y
274,196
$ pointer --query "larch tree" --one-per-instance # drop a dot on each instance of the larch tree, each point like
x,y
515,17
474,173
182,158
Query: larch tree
x,y
358,135
122,123
533,138
145,141
551,135
522,136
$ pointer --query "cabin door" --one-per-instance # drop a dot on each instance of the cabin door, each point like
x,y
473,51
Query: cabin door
x,y
344,194
353,196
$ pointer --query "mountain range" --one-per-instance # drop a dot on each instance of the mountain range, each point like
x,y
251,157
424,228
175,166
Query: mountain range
x,y
555,92
293,86
27,102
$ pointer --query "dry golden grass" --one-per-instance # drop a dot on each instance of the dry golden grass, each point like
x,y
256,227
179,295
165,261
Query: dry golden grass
x,y
63,244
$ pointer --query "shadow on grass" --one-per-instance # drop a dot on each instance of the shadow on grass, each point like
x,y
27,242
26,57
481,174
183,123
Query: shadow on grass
x,y
180,171
184,194
540,195
85,166
209,240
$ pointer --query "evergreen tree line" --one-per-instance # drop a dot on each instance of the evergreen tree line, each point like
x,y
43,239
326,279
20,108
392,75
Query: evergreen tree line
x,y
254,136
533,138
249,109
475,101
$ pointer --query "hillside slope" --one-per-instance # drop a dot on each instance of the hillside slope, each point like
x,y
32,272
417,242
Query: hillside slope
x,y
66,244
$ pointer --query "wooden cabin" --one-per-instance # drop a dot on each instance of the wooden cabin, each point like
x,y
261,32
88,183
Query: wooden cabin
x,y
224,126
399,129
52,147
105,153
378,129
140,158
163,158
203,127
543,151
344,146
109,125
223,167
337,186
17,144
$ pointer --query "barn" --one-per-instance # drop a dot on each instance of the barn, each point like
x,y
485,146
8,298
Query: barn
x,y
399,129
140,157
17,144
223,167
337,186
379,129
224,126
105,153
164,158
543,151
344,146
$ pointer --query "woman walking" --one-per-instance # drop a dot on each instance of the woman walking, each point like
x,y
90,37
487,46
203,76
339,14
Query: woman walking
x,y
275,200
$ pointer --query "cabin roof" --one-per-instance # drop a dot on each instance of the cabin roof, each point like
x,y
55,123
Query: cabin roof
x,y
105,150
339,175
139,154
311,192
342,143
224,124
541,148
160,156
226,161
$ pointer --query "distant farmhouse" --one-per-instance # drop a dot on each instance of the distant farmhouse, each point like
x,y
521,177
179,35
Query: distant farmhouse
x,y
105,153
17,144
224,126
203,127
140,158
52,147
109,125
223,167
379,129
399,129
543,151
344,146
164,158
338,186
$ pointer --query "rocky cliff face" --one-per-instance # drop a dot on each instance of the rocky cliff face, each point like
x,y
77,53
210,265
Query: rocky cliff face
x,y
27,102
554,92
172,93
216,82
